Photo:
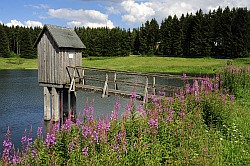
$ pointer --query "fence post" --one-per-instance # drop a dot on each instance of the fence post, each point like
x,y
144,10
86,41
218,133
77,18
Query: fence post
x,y
145,99
105,88
116,87
83,75
153,87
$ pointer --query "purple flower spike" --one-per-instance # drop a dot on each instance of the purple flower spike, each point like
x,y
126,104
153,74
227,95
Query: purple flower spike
x,y
50,140
85,151
39,131
114,114
153,123
182,114
7,144
184,75
170,116
133,96
232,97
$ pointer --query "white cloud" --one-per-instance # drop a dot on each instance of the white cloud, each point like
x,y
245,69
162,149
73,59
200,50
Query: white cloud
x,y
91,18
30,23
113,10
137,12
39,6
14,23
27,23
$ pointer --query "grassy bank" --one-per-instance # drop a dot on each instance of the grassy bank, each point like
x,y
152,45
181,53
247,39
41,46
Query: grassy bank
x,y
17,63
163,64
141,63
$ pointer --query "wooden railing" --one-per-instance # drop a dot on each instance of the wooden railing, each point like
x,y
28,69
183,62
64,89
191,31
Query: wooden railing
x,y
79,78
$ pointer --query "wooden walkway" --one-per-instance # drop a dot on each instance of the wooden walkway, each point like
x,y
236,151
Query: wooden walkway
x,y
115,82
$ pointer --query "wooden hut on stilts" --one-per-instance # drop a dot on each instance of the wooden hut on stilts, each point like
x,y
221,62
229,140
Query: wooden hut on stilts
x,y
57,47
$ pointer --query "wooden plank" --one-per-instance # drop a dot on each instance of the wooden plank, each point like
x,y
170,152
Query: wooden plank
x,y
39,61
51,85
44,60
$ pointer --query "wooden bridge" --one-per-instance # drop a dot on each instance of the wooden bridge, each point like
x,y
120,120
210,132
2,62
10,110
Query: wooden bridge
x,y
144,85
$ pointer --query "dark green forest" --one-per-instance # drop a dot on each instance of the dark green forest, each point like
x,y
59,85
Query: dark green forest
x,y
221,33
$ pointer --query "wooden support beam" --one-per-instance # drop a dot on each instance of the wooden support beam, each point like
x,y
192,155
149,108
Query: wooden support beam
x,y
55,105
47,106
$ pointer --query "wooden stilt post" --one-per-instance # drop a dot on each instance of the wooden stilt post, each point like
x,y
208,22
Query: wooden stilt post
x,y
65,104
61,107
73,105
55,105
47,106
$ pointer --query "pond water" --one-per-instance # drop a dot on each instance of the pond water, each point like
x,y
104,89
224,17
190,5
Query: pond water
x,y
21,101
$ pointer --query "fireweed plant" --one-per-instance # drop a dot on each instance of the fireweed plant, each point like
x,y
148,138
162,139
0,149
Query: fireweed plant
x,y
195,126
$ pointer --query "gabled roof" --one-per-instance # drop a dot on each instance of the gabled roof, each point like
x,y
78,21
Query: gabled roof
x,y
63,37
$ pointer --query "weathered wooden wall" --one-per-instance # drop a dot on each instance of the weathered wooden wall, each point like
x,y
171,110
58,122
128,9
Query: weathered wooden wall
x,y
52,61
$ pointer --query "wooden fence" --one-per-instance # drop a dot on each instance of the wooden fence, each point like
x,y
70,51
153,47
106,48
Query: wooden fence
x,y
111,84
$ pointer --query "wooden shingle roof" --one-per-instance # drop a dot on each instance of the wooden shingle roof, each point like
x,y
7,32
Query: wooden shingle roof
x,y
63,37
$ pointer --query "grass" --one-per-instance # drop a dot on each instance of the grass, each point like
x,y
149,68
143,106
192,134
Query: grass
x,y
140,63
17,63
163,64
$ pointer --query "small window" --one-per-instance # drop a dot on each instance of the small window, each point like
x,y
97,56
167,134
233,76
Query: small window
x,y
71,55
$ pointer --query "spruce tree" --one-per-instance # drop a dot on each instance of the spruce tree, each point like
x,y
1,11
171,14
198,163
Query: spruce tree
x,y
26,49
176,49
4,43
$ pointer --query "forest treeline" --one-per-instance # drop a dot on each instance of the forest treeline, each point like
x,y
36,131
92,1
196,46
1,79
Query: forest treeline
x,y
221,33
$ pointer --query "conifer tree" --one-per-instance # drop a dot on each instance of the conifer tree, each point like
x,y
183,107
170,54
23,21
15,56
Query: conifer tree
x,y
4,43
26,49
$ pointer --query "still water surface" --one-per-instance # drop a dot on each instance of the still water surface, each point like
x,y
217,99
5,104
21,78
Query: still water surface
x,y
21,104
21,101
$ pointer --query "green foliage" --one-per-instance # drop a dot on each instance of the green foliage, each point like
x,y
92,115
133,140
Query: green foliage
x,y
4,43
236,80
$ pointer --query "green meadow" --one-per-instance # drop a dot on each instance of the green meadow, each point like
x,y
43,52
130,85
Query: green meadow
x,y
141,63
17,63
163,64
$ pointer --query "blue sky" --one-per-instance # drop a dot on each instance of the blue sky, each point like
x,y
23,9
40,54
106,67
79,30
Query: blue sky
x,y
99,13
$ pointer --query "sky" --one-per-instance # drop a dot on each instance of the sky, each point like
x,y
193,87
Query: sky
x,y
102,13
